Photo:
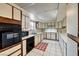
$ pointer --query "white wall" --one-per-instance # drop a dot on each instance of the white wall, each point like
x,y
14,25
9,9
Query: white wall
x,y
61,11
72,19
72,28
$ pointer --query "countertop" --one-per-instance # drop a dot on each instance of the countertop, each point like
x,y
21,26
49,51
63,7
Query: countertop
x,y
31,35
63,36
25,37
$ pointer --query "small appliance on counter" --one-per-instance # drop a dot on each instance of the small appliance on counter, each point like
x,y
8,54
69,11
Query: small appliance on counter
x,y
24,33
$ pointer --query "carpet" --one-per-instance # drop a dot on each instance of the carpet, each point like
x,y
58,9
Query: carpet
x,y
42,46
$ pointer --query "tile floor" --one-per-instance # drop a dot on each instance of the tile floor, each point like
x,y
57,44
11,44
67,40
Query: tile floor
x,y
53,49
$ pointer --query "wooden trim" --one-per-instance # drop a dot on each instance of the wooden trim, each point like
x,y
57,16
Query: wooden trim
x,y
14,52
78,19
21,37
21,16
1,50
78,32
24,39
76,39
21,48
6,20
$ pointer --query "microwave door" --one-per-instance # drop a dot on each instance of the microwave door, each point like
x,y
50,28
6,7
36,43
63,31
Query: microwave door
x,y
7,39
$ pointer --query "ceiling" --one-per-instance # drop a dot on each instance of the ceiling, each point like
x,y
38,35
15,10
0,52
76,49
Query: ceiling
x,y
41,11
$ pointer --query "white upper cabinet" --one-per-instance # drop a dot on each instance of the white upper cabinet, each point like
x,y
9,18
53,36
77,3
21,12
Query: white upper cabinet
x,y
39,25
60,24
16,14
27,22
5,10
23,22
56,25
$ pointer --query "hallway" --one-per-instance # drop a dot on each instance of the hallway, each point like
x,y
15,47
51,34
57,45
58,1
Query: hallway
x,y
53,49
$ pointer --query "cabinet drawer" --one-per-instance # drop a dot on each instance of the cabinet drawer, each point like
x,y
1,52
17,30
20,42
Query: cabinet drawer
x,y
16,53
11,50
5,10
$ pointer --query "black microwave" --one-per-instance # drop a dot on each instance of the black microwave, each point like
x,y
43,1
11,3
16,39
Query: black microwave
x,y
8,39
9,35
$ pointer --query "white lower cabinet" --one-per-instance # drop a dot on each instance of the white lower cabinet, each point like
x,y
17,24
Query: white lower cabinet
x,y
14,51
24,47
68,48
63,46
71,48
37,39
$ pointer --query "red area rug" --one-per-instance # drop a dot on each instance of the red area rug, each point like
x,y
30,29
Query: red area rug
x,y
42,46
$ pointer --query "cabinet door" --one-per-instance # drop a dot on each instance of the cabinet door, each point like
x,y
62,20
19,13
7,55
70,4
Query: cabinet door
x,y
64,22
23,22
24,47
44,35
48,36
44,25
27,22
17,14
5,10
40,25
36,40
52,35
60,26
39,37
56,25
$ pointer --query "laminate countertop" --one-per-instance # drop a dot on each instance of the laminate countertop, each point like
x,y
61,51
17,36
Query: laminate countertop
x,y
31,35
63,36
25,37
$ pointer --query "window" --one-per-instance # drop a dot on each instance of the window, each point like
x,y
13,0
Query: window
x,y
50,30
32,25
